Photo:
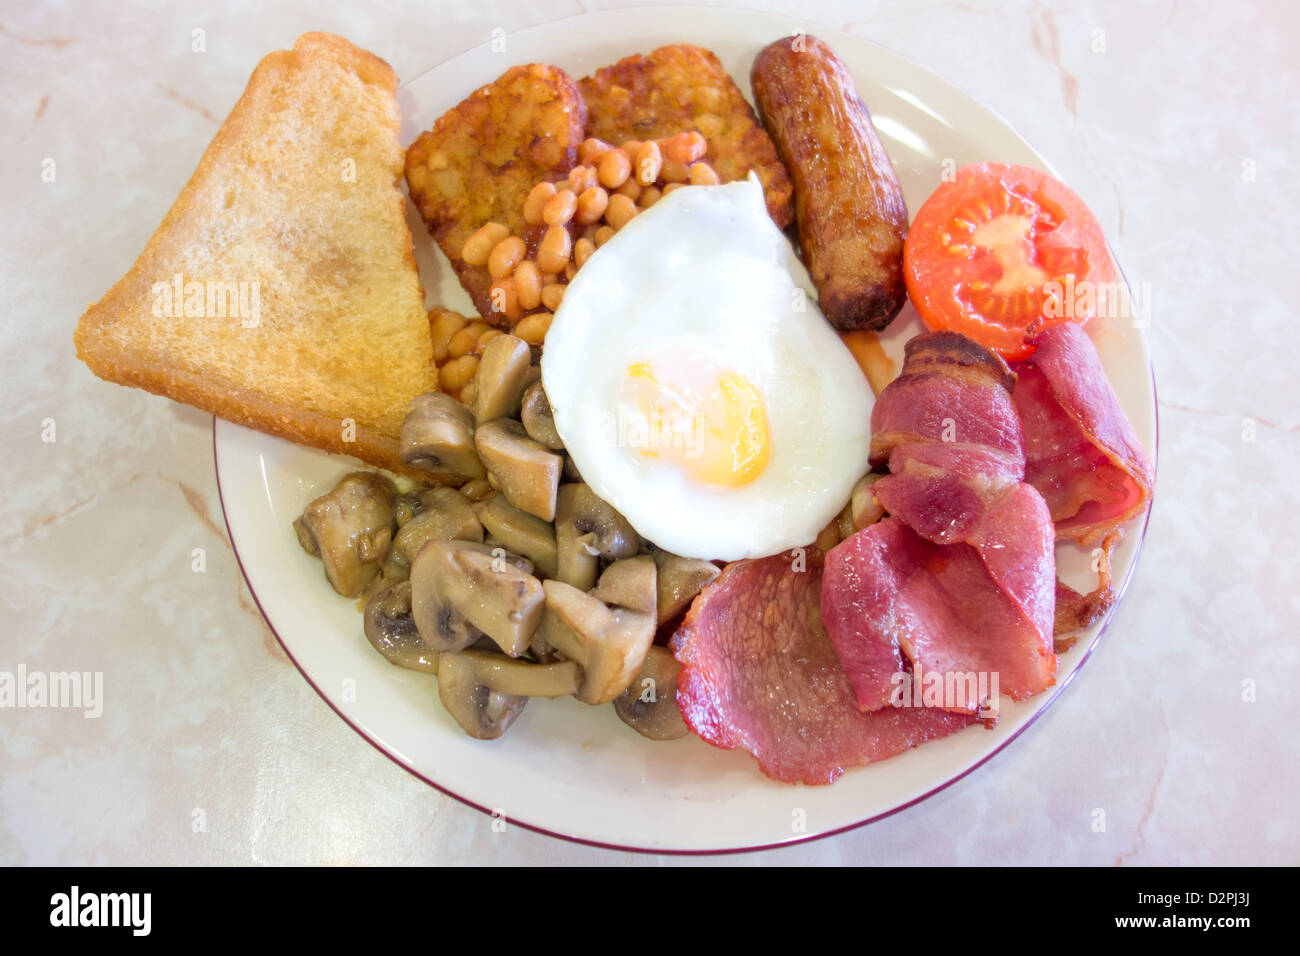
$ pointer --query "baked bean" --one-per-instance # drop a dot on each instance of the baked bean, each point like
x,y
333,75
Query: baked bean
x,y
468,392
684,147
603,235
443,325
536,202
702,174
507,254
672,171
479,246
504,295
457,373
591,205
614,169
560,208
570,271
648,161
671,186
528,284
484,339
592,149
582,250
532,328
582,178
631,189
553,251
462,343
630,148
553,295
620,212
649,196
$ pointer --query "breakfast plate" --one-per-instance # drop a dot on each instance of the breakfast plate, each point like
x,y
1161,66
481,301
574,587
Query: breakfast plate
x,y
575,771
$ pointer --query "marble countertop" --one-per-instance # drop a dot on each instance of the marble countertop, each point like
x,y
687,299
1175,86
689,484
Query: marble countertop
x,y
1175,120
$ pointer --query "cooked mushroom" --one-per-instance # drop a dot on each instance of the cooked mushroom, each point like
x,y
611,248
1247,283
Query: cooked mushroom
x,y
629,583
394,570
609,643
570,473
523,469
520,532
537,418
679,580
866,509
539,646
389,627
586,529
350,529
481,711
500,380
521,678
461,590
448,516
438,437
477,490
406,506
649,705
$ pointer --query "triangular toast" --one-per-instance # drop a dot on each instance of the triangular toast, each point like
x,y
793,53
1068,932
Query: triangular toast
x,y
280,291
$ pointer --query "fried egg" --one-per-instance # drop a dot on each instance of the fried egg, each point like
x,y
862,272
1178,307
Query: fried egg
x,y
697,386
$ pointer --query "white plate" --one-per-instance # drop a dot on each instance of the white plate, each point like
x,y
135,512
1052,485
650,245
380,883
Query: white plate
x,y
565,768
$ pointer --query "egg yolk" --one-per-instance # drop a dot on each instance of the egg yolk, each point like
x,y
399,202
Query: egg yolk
x,y
713,427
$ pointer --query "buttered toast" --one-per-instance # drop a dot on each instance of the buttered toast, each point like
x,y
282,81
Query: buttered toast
x,y
280,291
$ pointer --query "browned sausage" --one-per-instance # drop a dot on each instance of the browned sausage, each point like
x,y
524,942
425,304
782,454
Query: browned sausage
x,y
850,209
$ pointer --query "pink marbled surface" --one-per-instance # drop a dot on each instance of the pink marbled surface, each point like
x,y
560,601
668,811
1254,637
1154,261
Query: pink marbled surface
x,y
1180,133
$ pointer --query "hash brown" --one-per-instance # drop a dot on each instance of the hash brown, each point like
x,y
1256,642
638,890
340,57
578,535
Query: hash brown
x,y
483,157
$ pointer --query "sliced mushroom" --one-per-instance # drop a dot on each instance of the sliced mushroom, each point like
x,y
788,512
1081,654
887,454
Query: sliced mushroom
x,y
390,628
500,380
448,516
649,705
629,583
481,711
587,529
570,473
407,506
394,570
477,490
863,504
520,532
680,579
438,437
523,469
461,590
844,521
609,643
539,645
521,678
350,529
537,418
